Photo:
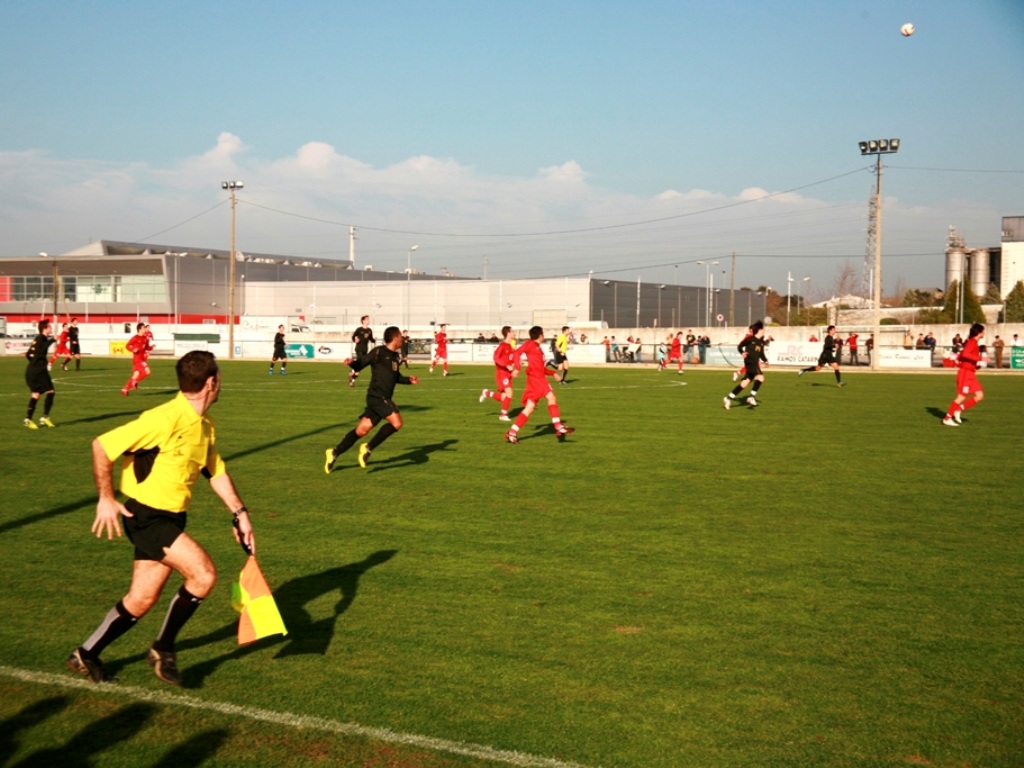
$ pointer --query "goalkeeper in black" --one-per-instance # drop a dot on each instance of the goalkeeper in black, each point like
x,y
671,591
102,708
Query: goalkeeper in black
x,y
383,362
752,349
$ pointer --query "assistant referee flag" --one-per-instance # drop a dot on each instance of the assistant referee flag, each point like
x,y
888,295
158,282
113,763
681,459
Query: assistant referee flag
x,y
251,597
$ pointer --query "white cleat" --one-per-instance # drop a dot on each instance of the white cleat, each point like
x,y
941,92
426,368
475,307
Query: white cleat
x,y
949,422
504,417
752,402
726,402
956,417
483,395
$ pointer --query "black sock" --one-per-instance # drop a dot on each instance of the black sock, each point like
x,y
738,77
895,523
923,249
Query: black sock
x,y
117,622
182,606
346,442
736,390
838,377
32,407
48,403
78,363
382,434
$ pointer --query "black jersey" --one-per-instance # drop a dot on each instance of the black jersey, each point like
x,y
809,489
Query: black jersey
x,y
278,341
363,337
827,356
753,354
73,338
383,364
36,354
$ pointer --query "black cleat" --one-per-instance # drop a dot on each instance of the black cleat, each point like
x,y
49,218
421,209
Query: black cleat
x,y
91,668
165,666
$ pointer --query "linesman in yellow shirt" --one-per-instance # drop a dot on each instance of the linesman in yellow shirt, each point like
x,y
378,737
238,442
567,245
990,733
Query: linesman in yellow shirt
x,y
164,452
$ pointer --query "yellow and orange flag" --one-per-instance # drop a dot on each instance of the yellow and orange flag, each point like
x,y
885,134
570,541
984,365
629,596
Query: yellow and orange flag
x,y
251,597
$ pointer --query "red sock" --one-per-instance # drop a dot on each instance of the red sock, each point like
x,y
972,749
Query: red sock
x,y
553,412
968,404
520,422
505,403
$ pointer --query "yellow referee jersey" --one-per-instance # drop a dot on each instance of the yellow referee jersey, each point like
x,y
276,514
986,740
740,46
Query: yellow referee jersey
x,y
164,450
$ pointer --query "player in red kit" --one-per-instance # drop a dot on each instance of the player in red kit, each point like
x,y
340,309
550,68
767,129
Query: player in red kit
x,y
140,345
62,349
537,386
968,388
440,349
675,352
504,371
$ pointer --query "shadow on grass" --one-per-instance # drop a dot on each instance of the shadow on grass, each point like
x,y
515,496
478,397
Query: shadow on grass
x,y
73,506
94,737
282,441
306,635
28,718
418,455
196,751
101,417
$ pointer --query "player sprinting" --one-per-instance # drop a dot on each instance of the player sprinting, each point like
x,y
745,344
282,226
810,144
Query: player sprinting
x,y
752,349
440,349
504,372
383,362
140,345
537,386
827,357
675,353
968,389
37,376
279,352
62,349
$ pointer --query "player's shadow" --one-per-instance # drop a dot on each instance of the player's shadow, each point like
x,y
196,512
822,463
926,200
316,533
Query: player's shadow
x,y
281,441
26,719
306,634
63,509
938,413
100,417
418,455
197,750
84,747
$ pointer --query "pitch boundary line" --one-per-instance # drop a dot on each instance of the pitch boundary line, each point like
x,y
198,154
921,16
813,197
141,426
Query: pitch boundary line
x,y
467,749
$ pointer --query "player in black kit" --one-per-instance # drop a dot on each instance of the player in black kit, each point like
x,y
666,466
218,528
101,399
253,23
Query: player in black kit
x,y
383,362
74,345
752,349
827,357
38,377
363,338
279,353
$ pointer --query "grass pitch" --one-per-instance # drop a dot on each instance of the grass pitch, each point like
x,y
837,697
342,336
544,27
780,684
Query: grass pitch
x,y
832,578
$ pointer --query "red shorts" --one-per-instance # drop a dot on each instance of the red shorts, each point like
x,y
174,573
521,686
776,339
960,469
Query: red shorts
x,y
675,356
141,368
61,352
967,381
536,390
502,379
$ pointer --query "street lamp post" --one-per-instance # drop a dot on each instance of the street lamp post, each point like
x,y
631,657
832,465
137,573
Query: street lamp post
x,y
707,288
789,293
878,147
408,286
232,187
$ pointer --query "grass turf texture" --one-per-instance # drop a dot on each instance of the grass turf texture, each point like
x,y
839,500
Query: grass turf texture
x,y
833,578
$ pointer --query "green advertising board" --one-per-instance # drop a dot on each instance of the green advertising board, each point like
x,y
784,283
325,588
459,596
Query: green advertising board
x,y
1017,358
299,351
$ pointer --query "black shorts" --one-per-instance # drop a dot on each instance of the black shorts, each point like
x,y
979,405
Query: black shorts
x,y
76,348
152,530
377,408
38,379
751,373
279,354
827,358
560,358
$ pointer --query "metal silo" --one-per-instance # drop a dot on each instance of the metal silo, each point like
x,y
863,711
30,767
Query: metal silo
x,y
956,266
979,271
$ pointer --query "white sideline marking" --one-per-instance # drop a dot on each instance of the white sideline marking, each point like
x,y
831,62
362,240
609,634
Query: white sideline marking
x,y
291,720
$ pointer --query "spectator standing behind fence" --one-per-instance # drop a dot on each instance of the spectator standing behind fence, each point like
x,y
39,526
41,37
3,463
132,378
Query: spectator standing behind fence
x,y
998,345
958,344
851,343
691,342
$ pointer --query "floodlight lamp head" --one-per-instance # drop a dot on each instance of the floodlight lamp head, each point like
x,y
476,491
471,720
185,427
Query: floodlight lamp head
x,y
873,146
223,185
894,145
863,147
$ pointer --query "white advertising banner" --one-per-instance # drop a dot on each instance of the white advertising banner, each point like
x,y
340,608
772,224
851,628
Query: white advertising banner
x,y
898,357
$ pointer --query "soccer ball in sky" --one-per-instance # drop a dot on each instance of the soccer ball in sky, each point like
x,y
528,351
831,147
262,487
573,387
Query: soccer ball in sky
x,y
907,29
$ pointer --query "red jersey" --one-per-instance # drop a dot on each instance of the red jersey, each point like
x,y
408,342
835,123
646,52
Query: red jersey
x,y
535,370
503,357
441,340
62,343
969,356
139,345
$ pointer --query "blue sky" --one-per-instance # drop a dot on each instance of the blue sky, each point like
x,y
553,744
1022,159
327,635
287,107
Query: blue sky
x,y
518,138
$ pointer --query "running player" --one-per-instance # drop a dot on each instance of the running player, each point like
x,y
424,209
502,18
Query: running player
x,y
752,349
38,377
827,357
62,349
140,345
383,362
504,372
279,353
440,349
537,386
968,388
675,353
362,337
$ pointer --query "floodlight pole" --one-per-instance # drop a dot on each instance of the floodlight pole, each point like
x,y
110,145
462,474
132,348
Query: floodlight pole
x,y
231,186
878,147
